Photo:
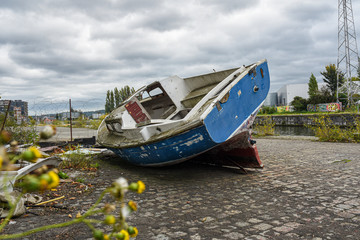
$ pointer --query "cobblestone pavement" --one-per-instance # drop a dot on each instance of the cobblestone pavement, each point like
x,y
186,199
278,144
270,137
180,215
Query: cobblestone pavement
x,y
307,190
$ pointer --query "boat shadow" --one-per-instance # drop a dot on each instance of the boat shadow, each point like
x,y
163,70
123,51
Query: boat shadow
x,y
194,169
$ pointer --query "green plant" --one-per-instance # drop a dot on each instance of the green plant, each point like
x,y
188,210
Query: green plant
x,y
95,123
63,175
119,227
24,133
267,110
47,180
80,122
299,104
95,165
80,180
265,127
76,159
327,131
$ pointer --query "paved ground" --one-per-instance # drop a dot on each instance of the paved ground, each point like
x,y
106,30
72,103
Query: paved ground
x,y
307,190
63,133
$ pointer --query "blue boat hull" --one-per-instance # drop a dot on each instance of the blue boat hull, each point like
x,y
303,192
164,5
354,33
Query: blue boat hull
x,y
223,132
169,151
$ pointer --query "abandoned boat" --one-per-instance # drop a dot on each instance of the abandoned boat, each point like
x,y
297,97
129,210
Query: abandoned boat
x,y
175,119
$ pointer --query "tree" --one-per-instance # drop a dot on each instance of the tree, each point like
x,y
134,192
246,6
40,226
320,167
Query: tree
x,y
313,86
330,78
299,104
107,102
323,96
112,101
117,97
126,92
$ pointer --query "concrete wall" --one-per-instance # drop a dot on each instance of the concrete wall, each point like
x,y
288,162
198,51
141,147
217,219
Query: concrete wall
x,y
300,120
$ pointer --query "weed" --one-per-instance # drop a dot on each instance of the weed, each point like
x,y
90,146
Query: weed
x,y
265,127
95,165
24,133
78,160
327,131
342,161
80,180
95,123
63,175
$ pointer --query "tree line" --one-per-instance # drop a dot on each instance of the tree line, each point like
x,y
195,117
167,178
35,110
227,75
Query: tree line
x,y
334,79
115,97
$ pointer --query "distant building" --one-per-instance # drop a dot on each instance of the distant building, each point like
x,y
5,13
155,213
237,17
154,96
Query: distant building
x,y
286,94
96,115
48,120
66,115
271,99
18,109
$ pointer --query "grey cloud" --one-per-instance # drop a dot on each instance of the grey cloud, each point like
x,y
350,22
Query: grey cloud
x,y
98,45
231,5
162,20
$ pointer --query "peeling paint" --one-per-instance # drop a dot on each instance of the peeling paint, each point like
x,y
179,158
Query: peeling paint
x,y
191,142
144,155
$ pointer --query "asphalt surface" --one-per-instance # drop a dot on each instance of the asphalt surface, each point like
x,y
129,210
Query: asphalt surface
x,y
64,133
307,190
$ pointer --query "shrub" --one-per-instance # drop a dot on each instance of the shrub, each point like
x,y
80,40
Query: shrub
x,y
299,104
24,133
267,110
326,131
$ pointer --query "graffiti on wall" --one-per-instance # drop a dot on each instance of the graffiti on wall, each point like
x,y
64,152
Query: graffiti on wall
x,y
284,109
324,107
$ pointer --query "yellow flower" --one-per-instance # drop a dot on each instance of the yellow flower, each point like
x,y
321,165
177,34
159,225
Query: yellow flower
x,y
31,154
141,187
43,184
138,187
122,235
106,237
1,161
133,231
110,219
54,180
36,152
132,205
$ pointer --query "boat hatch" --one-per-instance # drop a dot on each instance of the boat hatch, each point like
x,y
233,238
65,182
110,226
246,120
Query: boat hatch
x,y
115,126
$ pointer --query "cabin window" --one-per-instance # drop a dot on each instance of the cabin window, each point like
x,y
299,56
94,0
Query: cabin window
x,y
144,95
155,92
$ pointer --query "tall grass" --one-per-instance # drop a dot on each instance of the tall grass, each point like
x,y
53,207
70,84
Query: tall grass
x,y
327,131
265,127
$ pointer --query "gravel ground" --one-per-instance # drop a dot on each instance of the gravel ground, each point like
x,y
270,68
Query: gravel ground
x,y
307,190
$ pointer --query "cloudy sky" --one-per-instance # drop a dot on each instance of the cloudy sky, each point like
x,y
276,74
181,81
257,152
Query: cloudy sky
x,y
53,50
